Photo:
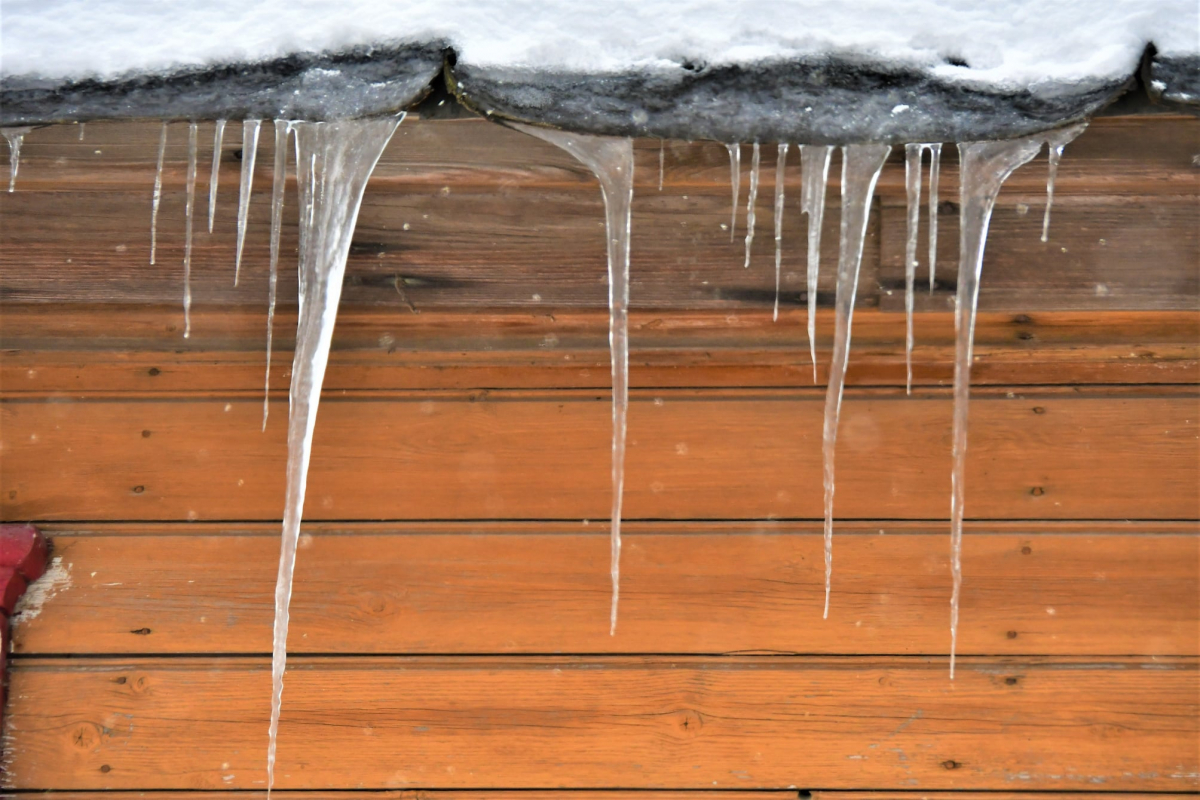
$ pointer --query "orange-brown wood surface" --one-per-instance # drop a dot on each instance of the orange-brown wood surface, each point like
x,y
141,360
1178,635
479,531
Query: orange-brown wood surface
x,y
1048,588
693,454
449,632
762,722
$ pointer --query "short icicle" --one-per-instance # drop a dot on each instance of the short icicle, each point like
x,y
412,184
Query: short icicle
x,y
912,186
342,156
662,161
755,155
780,163
1056,141
82,126
735,183
250,130
611,159
187,236
984,166
861,165
814,168
282,128
14,137
218,135
935,166
157,196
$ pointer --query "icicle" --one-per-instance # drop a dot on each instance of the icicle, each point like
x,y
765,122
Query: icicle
x,y
753,201
82,125
157,198
861,165
1056,141
277,189
935,162
780,162
341,156
249,152
14,136
661,162
218,135
912,185
611,159
814,166
983,168
735,182
187,237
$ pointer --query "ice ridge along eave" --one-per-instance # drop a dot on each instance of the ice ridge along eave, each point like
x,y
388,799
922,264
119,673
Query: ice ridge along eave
x,y
828,101
363,82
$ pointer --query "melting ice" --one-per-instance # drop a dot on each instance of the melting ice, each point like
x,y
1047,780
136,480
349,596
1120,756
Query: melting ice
x,y
335,159
14,137
814,167
218,135
187,240
752,202
250,130
611,160
780,163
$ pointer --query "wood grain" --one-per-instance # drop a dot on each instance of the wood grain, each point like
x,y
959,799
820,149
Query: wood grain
x,y
96,350
683,723
1053,589
1039,454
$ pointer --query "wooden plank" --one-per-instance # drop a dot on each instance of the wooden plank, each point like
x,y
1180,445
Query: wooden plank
x,y
641,723
1036,454
93,350
461,218
825,794
1065,589
1116,155
1103,253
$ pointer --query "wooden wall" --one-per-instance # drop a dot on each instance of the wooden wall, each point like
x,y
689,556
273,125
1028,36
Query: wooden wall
x,y
449,622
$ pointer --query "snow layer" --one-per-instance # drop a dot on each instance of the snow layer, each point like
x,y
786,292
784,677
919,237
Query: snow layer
x,y
1016,43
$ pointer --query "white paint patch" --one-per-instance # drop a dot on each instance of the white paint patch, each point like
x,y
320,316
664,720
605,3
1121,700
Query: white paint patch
x,y
56,578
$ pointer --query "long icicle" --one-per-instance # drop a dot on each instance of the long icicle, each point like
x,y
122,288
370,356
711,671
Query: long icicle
x,y
861,165
187,236
157,196
1056,141
662,161
218,136
912,186
14,137
753,200
935,167
250,130
282,127
344,154
611,160
814,167
780,163
735,183
983,167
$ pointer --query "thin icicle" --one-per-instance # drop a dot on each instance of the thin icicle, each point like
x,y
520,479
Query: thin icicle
x,y
861,165
662,159
780,162
157,197
282,127
82,126
611,159
912,185
753,201
1056,141
14,137
983,168
218,135
814,167
187,237
935,164
344,154
250,130
735,183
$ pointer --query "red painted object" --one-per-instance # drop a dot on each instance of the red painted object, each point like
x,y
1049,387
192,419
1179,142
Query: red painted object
x,y
22,561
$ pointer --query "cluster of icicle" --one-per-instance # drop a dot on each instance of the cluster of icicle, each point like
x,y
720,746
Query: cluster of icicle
x,y
335,159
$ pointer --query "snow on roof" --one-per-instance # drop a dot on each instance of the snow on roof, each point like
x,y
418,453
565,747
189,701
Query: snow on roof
x,y
1013,44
